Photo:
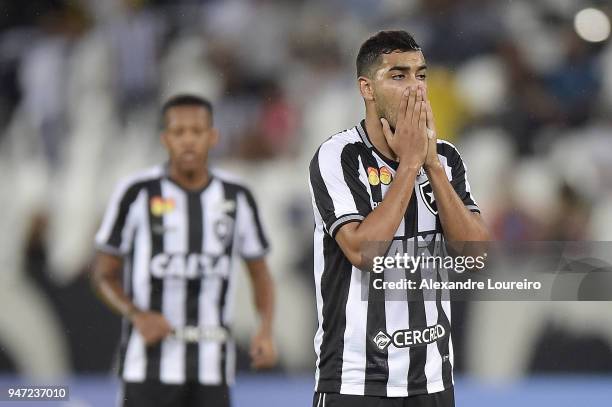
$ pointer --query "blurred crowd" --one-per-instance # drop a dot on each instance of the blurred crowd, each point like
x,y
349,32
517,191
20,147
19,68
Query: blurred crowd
x,y
528,102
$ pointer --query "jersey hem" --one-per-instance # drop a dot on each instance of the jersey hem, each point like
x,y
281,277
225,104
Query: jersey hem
x,y
182,383
381,390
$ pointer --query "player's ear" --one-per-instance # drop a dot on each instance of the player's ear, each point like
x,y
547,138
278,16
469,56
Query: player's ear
x,y
365,87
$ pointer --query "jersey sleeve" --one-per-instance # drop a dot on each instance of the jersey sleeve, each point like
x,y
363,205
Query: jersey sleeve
x,y
459,179
252,240
115,235
337,192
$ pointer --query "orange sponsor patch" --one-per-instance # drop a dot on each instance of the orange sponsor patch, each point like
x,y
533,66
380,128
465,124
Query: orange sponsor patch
x,y
160,206
373,178
385,175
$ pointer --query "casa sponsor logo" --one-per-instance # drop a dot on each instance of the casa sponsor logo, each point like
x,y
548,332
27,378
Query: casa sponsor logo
x,y
189,266
405,338
380,175
160,205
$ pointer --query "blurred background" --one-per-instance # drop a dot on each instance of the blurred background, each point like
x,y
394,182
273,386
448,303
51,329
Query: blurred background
x,y
522,87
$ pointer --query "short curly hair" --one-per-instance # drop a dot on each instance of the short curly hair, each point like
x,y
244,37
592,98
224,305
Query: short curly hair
x,y
184,100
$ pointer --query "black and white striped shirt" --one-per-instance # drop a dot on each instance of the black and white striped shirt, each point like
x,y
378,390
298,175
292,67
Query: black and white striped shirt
x,y
178,248
355,353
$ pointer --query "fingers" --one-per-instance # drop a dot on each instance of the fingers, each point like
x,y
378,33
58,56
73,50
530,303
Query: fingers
x,y
411,105
154,328
257,355
257,348
152,337
264,358
260,363
401,113
423,116
431,130
416,113
387,132
163,326
430,122
263,353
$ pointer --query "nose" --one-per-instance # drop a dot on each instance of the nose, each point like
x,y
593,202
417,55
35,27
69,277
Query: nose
x,y
189,139
416,83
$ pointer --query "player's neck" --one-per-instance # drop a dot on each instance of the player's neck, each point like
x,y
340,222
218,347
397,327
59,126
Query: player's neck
x,y
376,135
189,180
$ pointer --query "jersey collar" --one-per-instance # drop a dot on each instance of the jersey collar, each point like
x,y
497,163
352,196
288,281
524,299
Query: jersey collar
x,y
166,174
361,129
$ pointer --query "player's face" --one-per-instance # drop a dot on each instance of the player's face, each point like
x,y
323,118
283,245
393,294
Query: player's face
x,y
396,72
188,137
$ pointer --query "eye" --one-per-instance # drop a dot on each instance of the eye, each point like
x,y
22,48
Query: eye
x,y
422,77
398,76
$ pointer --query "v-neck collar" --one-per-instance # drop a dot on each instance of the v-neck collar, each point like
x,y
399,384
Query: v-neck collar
x,y
363,133
196,191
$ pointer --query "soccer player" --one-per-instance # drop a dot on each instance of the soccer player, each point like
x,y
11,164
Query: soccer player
x,y
386,178
174,231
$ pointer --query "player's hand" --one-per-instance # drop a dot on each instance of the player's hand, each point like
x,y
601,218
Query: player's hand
x,y
153,326
409,142
263,351
432,159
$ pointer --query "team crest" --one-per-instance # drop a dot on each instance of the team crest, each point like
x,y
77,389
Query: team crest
x,y
160,206
223,229
428,197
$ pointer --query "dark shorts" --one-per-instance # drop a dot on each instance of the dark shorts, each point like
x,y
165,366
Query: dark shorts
x,y
156,394
444,398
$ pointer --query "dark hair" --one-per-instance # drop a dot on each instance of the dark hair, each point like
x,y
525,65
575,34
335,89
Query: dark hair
x,y
184,100
384,42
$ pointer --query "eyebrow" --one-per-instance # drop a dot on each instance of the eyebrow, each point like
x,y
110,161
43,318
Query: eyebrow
x,y
407,68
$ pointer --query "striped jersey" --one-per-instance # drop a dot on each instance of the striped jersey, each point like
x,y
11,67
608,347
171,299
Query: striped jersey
x,y
367,342
178,248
